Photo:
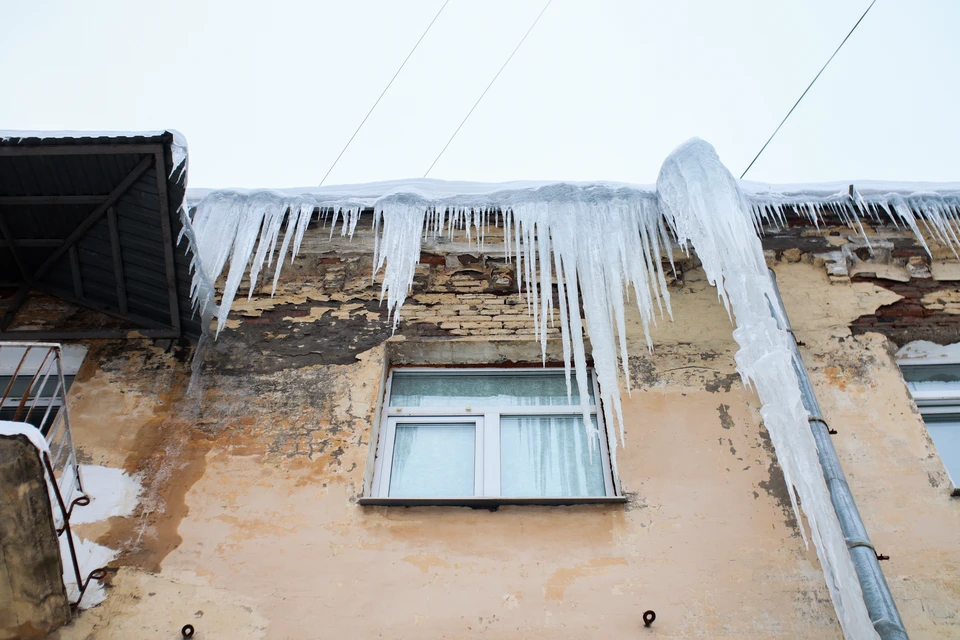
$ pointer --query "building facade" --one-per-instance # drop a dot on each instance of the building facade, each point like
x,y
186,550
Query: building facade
x,y
257,468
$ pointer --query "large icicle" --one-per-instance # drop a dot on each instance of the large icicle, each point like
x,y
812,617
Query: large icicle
x,y
228,225
397,252
706,208
595,263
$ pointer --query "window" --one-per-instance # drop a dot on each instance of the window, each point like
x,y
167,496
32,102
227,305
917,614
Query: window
x,y
467,436
34,369
935,387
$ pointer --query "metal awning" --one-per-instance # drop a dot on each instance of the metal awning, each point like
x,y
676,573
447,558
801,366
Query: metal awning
x,y
94,221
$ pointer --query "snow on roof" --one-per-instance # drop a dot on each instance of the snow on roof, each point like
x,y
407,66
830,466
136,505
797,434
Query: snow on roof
x,y
466,193
178,148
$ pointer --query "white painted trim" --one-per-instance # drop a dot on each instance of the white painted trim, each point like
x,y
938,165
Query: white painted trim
x,y
373,443
923,352
928,361
542,410
491,455
938,406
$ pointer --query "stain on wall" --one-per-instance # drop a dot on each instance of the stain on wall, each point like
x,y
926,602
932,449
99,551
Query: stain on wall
x,y
249,526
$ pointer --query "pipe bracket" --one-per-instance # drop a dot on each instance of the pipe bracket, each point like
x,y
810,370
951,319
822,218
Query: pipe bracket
x,y
832,432
860,543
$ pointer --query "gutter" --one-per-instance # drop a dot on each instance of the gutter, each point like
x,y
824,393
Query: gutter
x,y
876,594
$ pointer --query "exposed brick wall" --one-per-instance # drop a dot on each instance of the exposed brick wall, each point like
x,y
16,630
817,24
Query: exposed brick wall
x,y
929,310
327,309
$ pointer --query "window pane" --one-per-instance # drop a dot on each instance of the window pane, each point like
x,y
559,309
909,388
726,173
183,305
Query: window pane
x,y
946,437
932,373
413,389
433,461
548,456
19,387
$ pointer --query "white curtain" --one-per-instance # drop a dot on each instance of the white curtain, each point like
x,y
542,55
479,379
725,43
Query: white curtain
x,y
547,456
433,461
411,389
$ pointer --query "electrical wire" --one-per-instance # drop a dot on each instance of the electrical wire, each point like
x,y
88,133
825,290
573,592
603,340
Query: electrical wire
x,y
488,87
807,89
382,93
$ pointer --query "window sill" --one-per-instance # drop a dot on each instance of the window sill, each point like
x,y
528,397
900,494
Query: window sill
x,y
487,503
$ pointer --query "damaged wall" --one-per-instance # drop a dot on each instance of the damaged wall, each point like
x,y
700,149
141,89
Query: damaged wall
x,y
248,524
33,600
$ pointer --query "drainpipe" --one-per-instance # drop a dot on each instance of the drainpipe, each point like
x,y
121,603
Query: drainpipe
x,y
876,594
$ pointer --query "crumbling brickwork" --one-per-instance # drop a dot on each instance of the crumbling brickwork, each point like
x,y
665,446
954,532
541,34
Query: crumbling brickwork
x,y
928,310
248,524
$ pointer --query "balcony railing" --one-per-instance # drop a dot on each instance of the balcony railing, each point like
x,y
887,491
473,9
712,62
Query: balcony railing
x,y
34,391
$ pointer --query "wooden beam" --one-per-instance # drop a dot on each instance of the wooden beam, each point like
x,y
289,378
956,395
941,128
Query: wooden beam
x,y
31,243
168,261
101,334
117,259
94,216
75,273
84,149
8,236
51,200
105,309
14,306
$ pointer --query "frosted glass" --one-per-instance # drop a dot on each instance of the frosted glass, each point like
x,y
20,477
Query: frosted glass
x,y
433,461
412,389
946,437
548,456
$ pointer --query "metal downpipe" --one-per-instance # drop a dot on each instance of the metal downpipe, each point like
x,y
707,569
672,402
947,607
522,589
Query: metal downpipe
x,y
876,594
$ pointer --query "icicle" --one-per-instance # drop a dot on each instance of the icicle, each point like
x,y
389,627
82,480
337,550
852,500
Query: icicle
x,y
272,221
401,237
202,290
296,226
703,203
599,242
546,284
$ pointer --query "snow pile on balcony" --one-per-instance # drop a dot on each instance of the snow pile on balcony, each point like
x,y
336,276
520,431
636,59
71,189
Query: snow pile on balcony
x,y
112,492
11,429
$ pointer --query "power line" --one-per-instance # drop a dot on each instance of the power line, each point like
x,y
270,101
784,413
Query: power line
x,y
807,89
488,87
382,93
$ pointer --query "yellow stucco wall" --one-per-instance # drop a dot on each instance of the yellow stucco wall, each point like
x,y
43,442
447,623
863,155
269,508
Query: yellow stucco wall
x,y
249,527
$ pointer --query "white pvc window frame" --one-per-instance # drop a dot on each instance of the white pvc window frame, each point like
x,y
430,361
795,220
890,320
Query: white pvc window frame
x,y
486,421
939,407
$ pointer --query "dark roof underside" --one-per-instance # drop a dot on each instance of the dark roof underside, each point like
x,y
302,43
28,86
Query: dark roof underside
x,y
89,221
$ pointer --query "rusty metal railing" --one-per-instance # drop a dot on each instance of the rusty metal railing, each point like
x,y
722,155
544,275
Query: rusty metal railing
x,y
37,394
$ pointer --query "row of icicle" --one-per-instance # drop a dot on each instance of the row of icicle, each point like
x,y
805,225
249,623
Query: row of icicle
x,y
592,248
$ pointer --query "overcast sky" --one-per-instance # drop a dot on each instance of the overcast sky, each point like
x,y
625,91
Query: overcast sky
x,y
268,93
